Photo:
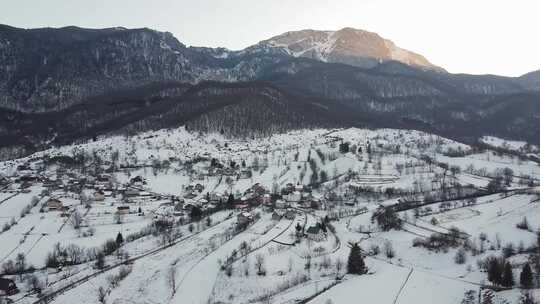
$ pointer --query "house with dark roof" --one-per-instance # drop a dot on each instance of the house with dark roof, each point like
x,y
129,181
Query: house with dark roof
x,y
54,204
8,287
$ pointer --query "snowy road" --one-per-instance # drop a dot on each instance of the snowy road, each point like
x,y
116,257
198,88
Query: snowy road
x,y
197,284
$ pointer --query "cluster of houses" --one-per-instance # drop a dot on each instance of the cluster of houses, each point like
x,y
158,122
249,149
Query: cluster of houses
x,y
300,196
291,195
102,186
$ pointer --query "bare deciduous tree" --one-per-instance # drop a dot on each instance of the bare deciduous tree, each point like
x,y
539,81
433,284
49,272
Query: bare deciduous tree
x,y
76,219
171,279
339,266
102,294
259,264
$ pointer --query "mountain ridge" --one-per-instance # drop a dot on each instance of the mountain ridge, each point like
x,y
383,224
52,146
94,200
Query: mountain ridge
x,y
347,45
64,86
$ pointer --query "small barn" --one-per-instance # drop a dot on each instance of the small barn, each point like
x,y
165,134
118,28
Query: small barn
x,y
8,287
122,209
54,204
99,195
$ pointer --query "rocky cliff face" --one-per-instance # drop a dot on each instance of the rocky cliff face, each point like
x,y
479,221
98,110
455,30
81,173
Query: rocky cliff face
x,y
348,45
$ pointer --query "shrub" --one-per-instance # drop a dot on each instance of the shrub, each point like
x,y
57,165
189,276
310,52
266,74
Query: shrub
x,y
524,224
387,219
461,256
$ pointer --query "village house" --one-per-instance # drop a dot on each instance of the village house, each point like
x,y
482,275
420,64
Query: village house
x,y
202,202
241,206
190,195
104,178
7,287
244,174
3,180
277,215
29,178
137,181
244,218
295,196
99,195
258,189
54,204
131,192
315,204
122,209
199,187
215,197
188,206
229,172
281,204
290,214
266,199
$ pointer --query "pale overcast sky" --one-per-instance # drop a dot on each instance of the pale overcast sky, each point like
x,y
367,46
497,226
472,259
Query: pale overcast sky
x,y
464,36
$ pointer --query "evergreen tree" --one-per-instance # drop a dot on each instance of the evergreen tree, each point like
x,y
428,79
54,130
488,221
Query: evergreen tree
x,y
230,201
507,276
526,276
355,264
119,239
298,227
196,213
344,147
494,270
387,219
100,261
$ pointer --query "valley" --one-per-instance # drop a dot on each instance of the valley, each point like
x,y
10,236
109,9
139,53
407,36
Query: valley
x,y
180,216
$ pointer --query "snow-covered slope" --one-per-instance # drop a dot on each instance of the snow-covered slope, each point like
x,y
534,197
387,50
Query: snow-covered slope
x,y
339,176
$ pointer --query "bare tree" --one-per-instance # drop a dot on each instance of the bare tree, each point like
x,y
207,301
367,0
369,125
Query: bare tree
x,y
34,283
20,263
259,264
171,279
246,267
339,266
118,218
290,264
76,219
389,250
74,253
102,294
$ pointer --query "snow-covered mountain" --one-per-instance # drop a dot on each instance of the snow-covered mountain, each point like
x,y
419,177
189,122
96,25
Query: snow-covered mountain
x,y
350,46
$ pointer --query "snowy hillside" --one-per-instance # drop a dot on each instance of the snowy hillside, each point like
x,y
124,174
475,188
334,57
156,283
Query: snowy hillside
x,y
308,216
